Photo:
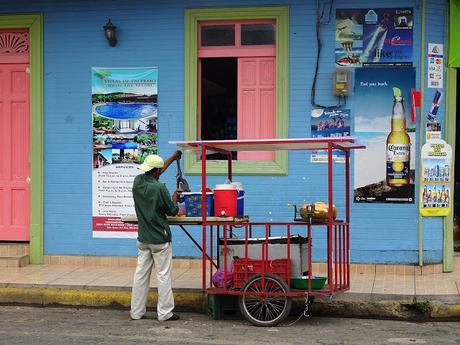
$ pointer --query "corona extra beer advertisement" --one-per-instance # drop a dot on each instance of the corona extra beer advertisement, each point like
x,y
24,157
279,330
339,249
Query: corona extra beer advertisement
x,y
385,171
436,178
124,112
379,36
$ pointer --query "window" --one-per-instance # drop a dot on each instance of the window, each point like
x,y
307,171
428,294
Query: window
x,y
258,34
236,63
217,35
237,87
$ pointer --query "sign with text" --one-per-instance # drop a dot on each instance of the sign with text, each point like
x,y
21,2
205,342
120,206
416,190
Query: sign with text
x,y
385,171
435,65
326,123
379,36
124,112
436,179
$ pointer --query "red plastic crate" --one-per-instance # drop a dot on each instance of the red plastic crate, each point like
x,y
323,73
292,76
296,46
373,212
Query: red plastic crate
x,y
243,269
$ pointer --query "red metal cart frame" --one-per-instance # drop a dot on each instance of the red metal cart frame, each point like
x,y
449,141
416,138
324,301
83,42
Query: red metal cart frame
x,y
338,232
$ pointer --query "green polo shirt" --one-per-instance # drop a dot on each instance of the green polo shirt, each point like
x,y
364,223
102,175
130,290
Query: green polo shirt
x,y
152,203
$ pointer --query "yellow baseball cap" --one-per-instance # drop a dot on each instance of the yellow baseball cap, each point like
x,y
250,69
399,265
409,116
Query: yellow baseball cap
x,y
151,162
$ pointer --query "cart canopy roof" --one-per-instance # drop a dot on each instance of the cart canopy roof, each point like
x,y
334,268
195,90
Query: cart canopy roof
x,y
343,143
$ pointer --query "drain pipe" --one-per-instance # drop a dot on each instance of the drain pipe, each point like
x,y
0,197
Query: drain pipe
x,y
421,129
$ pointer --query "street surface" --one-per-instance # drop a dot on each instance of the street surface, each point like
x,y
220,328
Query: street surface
x,y
67,326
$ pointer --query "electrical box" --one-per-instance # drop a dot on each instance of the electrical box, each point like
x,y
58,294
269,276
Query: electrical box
x,y
341,81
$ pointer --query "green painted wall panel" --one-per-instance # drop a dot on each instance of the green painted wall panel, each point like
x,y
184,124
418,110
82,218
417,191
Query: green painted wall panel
x,y
454,34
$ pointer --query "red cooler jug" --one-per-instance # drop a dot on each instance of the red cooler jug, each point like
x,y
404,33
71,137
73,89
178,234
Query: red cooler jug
x,y
225,196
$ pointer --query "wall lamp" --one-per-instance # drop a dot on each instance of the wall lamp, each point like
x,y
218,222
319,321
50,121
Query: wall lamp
x,y
110,30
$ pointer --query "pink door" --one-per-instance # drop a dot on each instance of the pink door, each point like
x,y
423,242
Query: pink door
x,y
14,161
256,103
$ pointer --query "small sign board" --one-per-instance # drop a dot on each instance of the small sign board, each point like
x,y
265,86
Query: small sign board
x,y
436,179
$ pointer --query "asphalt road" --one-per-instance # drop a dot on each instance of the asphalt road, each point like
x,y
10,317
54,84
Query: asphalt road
x,y
67,326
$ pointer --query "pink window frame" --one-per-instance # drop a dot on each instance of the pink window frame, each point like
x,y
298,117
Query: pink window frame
x,y
236,51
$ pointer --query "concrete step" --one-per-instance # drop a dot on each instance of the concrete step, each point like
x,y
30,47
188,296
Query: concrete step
x,y
14,261
12,249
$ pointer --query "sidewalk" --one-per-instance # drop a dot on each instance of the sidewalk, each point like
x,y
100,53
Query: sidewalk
x,y
385,291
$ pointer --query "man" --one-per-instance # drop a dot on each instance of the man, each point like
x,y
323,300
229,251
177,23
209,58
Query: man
x,y
153,203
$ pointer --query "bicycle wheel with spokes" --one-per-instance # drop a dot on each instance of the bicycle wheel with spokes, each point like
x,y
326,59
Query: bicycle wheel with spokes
x,y
262,308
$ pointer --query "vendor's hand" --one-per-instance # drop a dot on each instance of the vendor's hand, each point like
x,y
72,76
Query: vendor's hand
x,y
175,196
177,154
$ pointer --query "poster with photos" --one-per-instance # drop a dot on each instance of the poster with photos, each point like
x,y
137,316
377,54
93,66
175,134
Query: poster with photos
x,y
436,179
125,128
326,123
374,37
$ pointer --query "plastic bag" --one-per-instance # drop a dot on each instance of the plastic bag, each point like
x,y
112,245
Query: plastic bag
x,y
223,279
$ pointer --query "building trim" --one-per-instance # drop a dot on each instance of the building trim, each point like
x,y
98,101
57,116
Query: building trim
x,y
421,130
450,133
192,16
34,22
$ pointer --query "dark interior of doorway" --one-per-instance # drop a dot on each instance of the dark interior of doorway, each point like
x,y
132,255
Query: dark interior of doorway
x,y
457,174
219,88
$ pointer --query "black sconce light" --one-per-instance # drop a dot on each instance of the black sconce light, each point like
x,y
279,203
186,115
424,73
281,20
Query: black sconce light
x,y
109,30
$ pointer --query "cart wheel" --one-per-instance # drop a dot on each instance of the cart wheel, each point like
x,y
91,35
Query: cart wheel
x,y
265,311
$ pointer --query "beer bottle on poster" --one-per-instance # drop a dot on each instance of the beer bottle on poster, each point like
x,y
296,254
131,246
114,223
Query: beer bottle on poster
x,y
398,145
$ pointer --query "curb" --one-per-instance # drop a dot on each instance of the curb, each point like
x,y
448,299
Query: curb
x,y
185,299
400,307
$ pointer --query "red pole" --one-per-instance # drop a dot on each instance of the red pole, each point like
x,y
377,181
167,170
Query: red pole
x,y
203,212
309,256
341,263
329,224
336,260
211,260
229,159
289,255
346,233
348,254
225,255
347,185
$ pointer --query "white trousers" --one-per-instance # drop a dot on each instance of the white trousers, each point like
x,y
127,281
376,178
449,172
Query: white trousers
x,y
148,255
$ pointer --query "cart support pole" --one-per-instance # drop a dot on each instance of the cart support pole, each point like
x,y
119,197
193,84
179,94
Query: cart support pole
x,y
203,213
330,218
347,227
229,159
347,185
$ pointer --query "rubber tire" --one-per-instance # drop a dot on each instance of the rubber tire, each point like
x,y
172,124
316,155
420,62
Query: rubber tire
x,y
284,313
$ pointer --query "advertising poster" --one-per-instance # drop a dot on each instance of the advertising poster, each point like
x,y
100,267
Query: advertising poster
x,y
435,65
329,123
124,112
433,126
385,170
436,178
380,36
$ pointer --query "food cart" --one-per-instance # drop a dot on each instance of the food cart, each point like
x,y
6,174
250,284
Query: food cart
x,y
263,283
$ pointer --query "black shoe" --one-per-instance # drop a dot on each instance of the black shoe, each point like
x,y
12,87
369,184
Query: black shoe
x,y
173,317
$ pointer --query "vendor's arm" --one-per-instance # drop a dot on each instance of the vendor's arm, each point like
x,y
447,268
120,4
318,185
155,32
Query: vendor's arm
x,y
176,155
169,204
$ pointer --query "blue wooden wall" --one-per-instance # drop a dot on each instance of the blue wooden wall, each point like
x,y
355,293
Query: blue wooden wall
x,y
151,34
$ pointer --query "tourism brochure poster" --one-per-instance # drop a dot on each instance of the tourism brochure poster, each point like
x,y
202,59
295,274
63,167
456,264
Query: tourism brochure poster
x,y
327,123
125,127
379,36
436,178
385,170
